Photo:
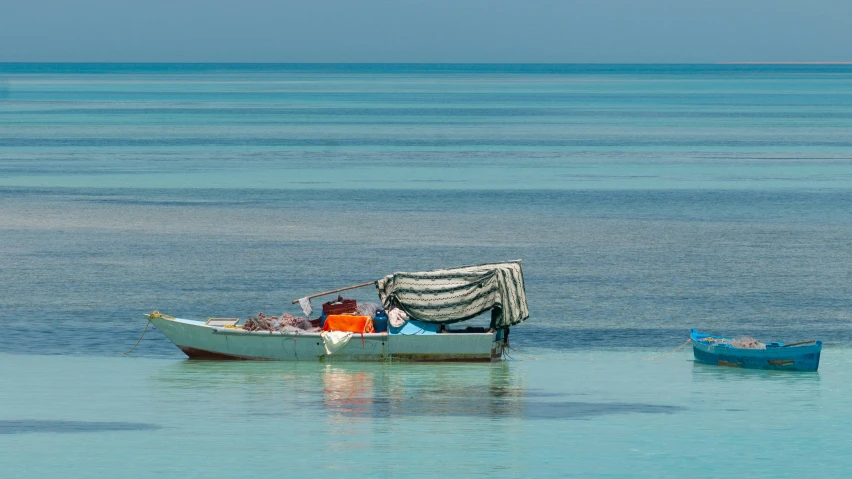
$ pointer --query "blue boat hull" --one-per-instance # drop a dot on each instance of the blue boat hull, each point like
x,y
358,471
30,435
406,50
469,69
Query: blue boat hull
x,y
804,357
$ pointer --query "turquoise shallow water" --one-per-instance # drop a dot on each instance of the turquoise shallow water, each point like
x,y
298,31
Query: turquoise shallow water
x,y
644,200
579,414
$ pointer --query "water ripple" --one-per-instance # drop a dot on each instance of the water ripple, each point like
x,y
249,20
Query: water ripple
x,y
24,426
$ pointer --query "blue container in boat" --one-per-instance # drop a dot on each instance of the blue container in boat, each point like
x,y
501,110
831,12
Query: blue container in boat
x,y
380,321
412,327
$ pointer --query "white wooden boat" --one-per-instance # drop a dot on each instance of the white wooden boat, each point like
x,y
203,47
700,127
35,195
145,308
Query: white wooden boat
x,y
203,341
432,300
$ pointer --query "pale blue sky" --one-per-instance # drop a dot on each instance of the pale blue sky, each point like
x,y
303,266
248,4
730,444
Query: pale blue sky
x,y
570,31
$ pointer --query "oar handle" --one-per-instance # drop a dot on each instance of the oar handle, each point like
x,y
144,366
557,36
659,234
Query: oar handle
x,y
799,343
337,290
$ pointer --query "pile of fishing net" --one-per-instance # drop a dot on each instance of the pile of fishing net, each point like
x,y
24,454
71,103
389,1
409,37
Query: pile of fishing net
x,y
746,342
285,323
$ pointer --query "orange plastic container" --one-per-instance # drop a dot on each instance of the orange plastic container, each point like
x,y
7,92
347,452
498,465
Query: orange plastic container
x,y
348,322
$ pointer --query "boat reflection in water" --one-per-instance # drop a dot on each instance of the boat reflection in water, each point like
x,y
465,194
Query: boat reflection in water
x,y
499,391
450,390
353,392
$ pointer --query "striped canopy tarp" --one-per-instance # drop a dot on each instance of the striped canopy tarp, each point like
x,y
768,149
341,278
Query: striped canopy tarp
x,y
458,294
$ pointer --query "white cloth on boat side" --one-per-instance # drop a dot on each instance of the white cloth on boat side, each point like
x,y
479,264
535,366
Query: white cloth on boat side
x,y
305,303
397,317
335,340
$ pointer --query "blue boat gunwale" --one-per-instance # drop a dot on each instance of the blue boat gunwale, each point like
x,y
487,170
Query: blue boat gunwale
x,y
700,338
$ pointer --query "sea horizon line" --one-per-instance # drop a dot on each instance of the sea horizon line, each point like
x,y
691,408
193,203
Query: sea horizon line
x,y
417,63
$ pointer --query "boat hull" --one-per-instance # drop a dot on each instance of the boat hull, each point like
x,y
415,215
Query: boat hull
x,y
200,341
794,358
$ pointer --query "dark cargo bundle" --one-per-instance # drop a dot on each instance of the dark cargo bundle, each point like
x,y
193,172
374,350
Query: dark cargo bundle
x,y
340,306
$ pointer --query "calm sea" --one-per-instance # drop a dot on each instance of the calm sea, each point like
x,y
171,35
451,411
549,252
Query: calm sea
x,y
644,200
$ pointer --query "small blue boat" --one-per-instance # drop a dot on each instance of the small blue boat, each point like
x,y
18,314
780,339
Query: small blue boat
x,y
798,356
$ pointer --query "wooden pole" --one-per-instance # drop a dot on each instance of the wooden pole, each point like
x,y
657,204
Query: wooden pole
x,y
337,290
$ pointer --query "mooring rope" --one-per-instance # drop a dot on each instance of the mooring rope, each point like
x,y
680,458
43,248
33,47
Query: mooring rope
x,y
155,314
670,353
520,354
140,338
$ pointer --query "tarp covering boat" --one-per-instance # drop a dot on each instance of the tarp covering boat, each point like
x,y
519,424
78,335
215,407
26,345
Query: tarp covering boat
x,y
451,295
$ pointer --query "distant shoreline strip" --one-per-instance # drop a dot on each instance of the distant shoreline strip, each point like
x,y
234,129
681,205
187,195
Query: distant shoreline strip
x,y
783,63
